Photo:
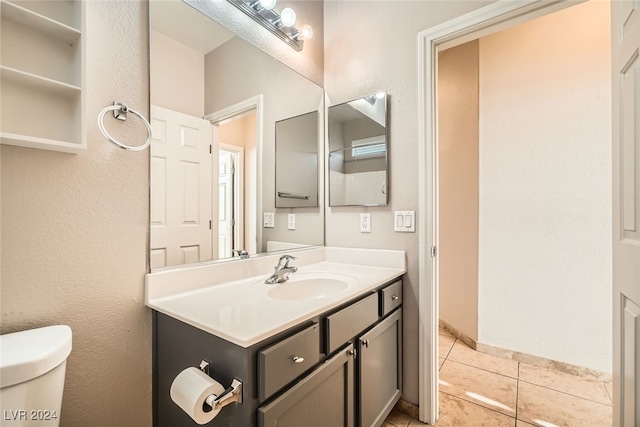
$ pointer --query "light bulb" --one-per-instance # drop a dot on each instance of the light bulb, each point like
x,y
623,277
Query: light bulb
x,y
267,4
287,17
306,32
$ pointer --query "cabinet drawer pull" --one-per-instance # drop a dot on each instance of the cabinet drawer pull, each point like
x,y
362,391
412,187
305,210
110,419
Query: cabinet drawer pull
x,y
297,359
395,297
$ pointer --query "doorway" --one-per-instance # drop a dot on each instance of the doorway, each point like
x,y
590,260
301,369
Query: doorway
x,y
237,136
455,33
231,197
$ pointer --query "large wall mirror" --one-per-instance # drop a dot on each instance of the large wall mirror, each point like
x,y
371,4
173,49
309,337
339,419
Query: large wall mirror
x,y
358,149
215,102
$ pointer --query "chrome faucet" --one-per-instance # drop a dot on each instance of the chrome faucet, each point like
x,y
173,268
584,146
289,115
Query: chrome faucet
x,y
241,253
283,270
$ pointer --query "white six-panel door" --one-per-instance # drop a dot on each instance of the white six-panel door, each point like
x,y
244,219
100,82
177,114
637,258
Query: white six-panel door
x,y
625,29
181,194
225,207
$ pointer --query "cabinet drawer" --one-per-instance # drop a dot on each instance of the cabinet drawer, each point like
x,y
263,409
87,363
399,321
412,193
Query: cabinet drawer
x,y
390,298
350,321
286,360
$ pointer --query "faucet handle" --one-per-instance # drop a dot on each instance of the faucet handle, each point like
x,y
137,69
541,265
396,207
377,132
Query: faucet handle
x,y
284,261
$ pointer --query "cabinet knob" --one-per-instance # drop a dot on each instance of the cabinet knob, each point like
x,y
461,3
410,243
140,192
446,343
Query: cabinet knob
x,y
395,297
297,359
352,353
365,343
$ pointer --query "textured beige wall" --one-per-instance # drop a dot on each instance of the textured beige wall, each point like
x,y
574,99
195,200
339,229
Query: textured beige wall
x,y
177,76
74,234
372,46
458,130
545,187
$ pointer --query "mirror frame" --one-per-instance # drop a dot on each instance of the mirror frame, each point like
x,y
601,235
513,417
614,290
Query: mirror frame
x,y
386,156
259,44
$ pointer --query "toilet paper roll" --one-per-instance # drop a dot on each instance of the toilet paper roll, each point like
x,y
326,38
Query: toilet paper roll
x,y
189,390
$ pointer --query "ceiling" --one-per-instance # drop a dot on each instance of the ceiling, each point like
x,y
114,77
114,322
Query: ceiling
x,y
181,22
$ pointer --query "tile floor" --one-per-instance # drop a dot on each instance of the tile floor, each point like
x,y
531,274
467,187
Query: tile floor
x,y
478,389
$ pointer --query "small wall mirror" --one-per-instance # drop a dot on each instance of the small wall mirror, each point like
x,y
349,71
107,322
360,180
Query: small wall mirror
x,y
297,161
358,152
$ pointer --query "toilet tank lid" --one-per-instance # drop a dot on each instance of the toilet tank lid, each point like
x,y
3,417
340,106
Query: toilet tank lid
x,y
28,354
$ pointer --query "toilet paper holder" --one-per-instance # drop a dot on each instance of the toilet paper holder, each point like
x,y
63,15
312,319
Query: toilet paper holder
x,y
231,394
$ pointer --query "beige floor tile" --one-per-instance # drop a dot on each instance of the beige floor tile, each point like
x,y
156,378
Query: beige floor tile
x,y
476,385
415,423
520,423
455,412
566,383
398,419
540,405
444,345
464,354
441,363
386,424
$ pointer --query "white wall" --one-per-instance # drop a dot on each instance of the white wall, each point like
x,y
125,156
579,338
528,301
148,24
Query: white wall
x,y
458,127
545,188
177,77
372,46
74,234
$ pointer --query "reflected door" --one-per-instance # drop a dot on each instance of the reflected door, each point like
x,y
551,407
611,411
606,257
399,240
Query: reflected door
x,y
181,194
225,204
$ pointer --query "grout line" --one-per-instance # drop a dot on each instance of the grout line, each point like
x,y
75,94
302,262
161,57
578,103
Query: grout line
x,y
608,394
517,392
486,370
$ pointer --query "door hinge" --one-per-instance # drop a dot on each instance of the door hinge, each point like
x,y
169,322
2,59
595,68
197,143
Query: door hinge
x,y
233,222
433,251
210,225
210,149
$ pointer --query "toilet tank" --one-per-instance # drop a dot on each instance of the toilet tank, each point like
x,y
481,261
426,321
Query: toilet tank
x,y
32,372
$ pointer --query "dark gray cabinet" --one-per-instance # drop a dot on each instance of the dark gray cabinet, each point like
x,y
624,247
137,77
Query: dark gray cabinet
x,y
380,370
325,397
341,368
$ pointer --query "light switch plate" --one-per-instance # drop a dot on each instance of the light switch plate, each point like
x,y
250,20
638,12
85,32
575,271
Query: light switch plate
x,y
404,221
291,221
269,220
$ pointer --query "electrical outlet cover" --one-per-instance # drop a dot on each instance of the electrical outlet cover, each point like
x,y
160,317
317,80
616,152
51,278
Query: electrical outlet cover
x,y
365,223
291,221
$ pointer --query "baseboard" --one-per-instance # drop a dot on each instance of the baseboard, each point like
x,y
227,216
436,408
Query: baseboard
x,y
459,335
530,359
542,362
408,409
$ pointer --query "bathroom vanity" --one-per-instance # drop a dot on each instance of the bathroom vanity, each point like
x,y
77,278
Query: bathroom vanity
x,y
304,359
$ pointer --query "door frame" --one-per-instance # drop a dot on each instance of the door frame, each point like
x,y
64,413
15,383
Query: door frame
x,y
238,191
476,24
254,103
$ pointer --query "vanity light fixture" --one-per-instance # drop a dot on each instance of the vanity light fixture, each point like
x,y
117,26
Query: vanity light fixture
x,y
281,24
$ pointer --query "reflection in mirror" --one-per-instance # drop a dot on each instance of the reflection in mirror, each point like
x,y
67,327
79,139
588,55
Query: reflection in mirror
x,y
358,152
297,161
215,101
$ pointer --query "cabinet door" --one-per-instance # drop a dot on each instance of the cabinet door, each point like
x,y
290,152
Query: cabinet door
x,y
323,398
380,373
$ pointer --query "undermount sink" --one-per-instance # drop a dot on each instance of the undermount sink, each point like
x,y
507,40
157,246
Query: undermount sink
x,y
311,286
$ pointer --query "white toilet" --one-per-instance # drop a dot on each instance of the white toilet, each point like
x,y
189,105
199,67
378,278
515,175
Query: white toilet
x,y
32,368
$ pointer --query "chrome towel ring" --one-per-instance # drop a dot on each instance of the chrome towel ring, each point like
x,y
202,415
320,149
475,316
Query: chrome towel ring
x,y
120,112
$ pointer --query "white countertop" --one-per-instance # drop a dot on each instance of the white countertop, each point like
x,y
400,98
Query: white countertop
x,y
241,312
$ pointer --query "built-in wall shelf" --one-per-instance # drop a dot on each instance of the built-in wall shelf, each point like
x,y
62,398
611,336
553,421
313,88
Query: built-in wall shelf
x,y
29,19
42,74
54,86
